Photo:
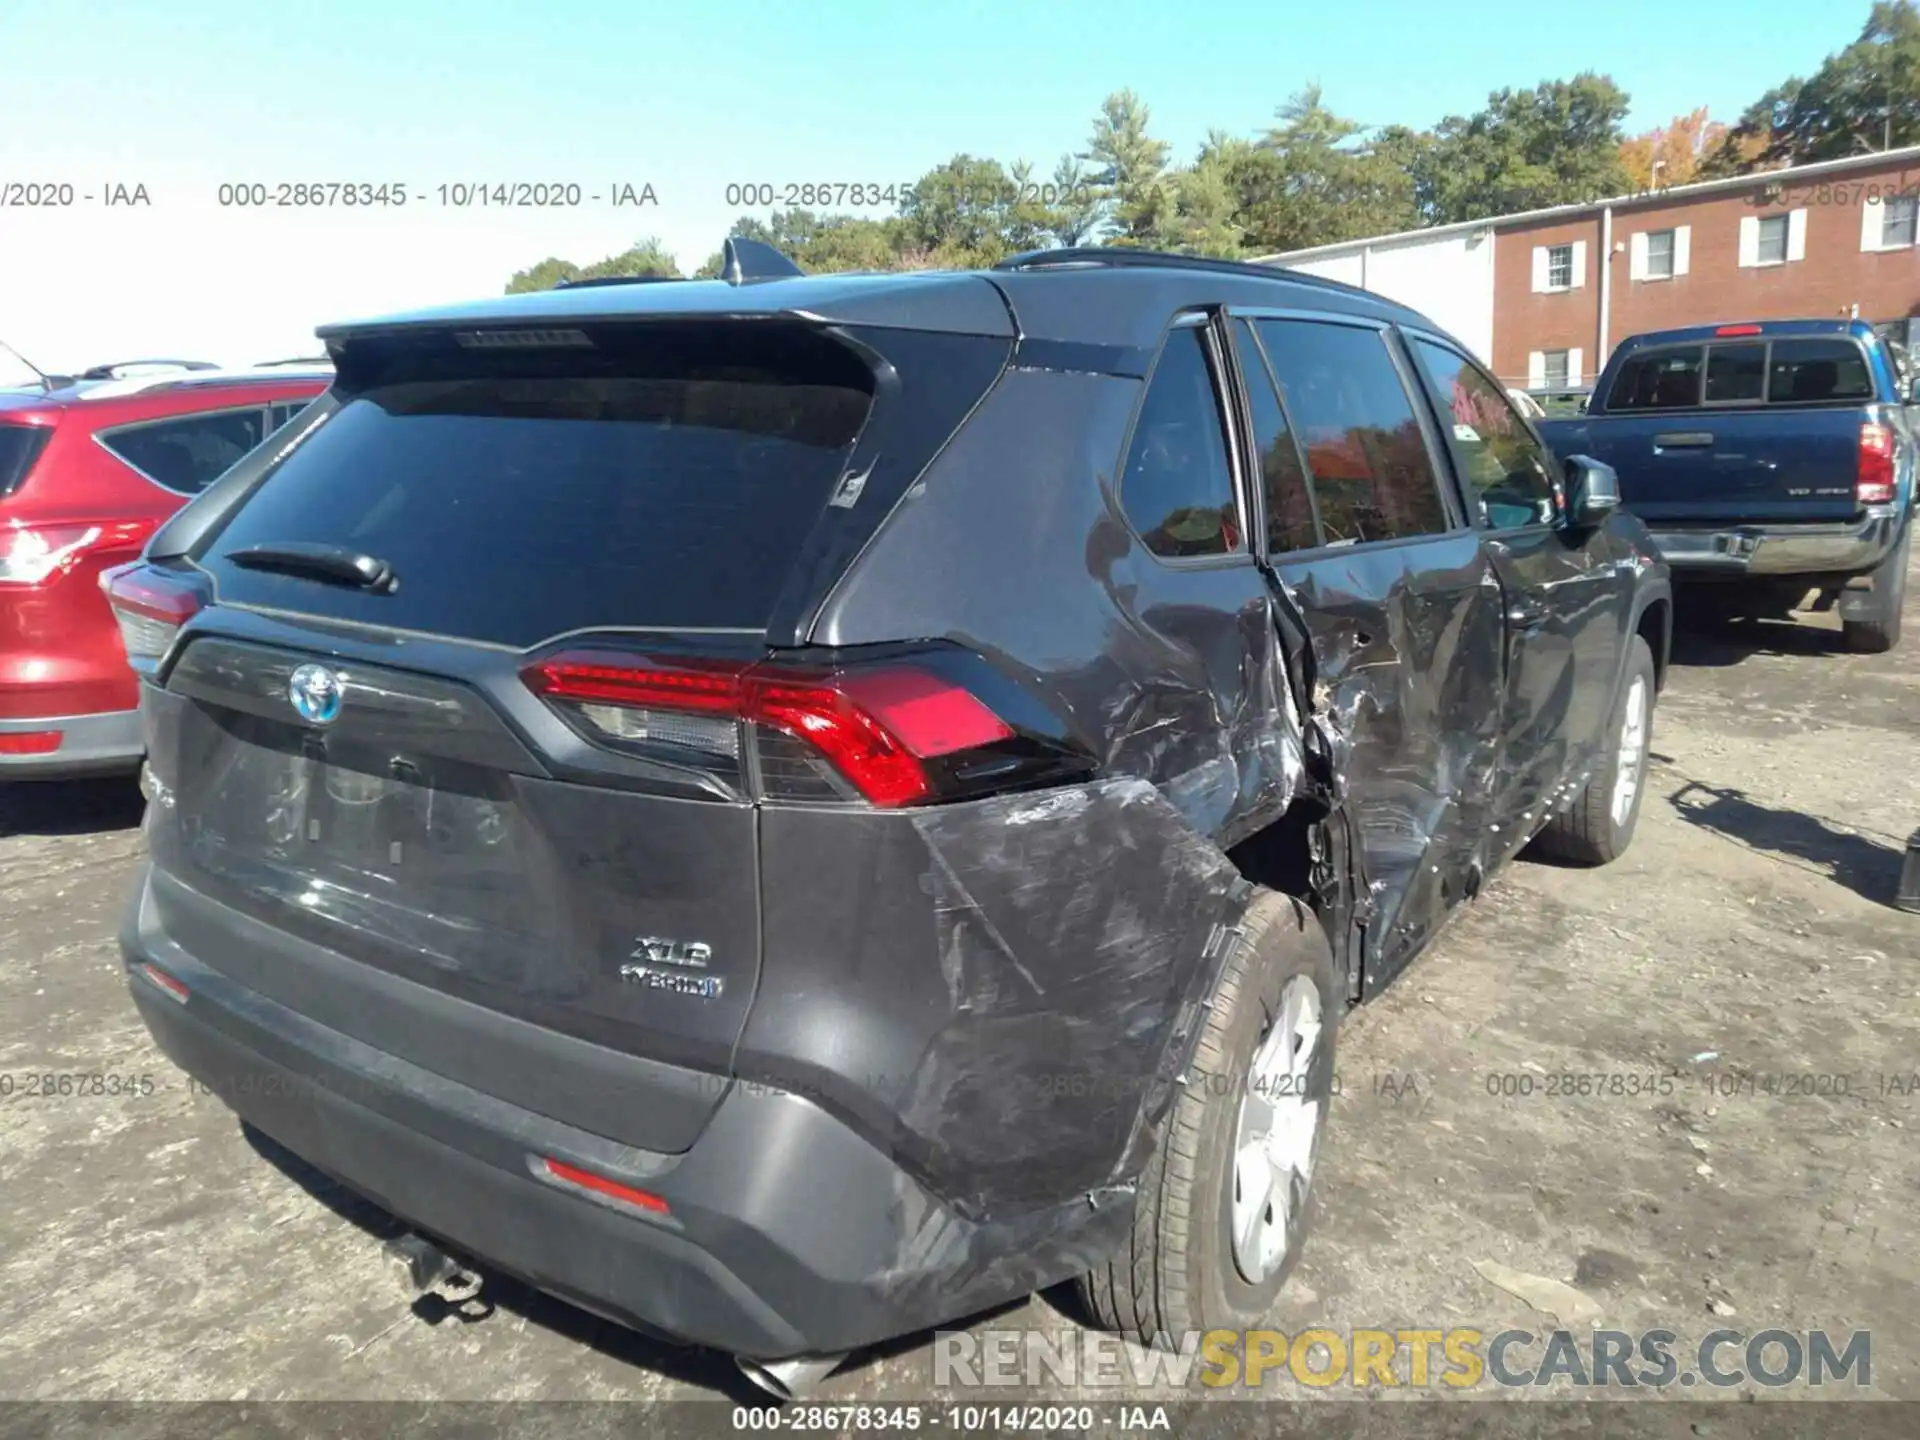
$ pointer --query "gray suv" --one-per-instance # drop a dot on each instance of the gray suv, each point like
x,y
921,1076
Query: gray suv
x,y
788,810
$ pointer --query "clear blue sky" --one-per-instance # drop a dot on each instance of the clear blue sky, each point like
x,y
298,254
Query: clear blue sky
x,y
187,94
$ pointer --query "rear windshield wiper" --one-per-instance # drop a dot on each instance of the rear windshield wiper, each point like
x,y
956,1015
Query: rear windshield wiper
x,y
333,564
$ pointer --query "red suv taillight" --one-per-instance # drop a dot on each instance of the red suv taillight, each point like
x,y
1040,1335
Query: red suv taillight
x,y
150,606
34,554
1873,482
897,733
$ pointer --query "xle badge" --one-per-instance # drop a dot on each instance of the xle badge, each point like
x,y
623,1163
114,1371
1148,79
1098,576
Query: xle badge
x,y
677,966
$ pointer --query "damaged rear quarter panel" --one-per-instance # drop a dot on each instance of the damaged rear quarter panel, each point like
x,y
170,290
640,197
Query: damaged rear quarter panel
x,y
1029,969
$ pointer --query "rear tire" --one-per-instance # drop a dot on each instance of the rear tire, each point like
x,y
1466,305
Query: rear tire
x,y
1598,826
1879,633
1185,1268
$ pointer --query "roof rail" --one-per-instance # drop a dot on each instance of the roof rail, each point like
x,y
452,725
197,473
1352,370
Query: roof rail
x,y
326,360
743,261
113,371
121,388
1121,256
613,280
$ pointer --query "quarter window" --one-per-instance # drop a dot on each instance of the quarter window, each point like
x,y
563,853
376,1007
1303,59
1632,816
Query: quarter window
x,y
280,414
187,454
1177,489
1503,462
1290,523
1367,458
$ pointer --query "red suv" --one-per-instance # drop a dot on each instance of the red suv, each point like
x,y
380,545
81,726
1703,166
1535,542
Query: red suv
x,y
87,472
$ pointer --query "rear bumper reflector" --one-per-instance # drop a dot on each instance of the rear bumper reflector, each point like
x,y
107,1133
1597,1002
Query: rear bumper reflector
x,y
29,742
573,1175
166,982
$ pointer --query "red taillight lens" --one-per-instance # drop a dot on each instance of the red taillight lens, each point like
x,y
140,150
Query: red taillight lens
x,y
35,554
1873,484
30,742
150,607
600,1185
875,725
1738,330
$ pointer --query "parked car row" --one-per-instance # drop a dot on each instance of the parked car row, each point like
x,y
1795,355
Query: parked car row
x,y
788,810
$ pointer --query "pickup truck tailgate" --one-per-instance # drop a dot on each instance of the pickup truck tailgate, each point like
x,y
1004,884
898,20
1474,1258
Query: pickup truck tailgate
x,y
1746,467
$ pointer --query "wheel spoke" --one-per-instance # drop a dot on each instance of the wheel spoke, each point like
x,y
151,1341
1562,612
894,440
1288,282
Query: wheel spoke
x,y
1278,1123
1253,1192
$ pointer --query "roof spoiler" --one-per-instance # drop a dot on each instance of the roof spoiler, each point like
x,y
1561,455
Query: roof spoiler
x,y
598,280
744,261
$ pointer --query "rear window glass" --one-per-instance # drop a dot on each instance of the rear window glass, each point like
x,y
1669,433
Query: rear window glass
x,y
520,505
1736,373
20,446
1808,371
1659,380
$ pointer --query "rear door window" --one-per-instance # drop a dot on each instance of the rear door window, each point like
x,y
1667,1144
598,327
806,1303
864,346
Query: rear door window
x,y
1177,487
653,479
1658,380
1808,371
1367,458
188,453
1290,522
280,414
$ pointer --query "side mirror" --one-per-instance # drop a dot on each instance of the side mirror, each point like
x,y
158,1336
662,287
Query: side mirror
x,y
1593,491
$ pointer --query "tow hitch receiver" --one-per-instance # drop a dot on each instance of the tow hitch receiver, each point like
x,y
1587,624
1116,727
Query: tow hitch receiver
x,y
424,1268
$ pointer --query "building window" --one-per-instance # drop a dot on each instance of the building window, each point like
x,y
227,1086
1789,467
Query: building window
x,y
1553,369
1897,217
1772,248
1560,267
1660,255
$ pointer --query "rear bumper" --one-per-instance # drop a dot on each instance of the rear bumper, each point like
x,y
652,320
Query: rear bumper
x,y
787,1233
89,745
1740,551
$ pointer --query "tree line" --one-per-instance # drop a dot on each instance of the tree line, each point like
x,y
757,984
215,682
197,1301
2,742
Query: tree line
x,y
1315,177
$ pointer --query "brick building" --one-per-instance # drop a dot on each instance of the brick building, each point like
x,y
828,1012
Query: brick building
x,y
1543,296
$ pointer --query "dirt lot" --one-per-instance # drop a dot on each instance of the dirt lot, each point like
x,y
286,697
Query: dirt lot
x,y
1743,966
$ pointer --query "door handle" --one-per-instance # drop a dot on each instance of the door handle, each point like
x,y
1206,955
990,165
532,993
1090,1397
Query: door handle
x,y
1683,440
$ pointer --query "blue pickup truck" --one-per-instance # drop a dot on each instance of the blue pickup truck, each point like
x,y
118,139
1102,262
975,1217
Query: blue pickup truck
x,y
1777,456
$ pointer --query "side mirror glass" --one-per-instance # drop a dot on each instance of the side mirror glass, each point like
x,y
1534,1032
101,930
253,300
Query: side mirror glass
x,y
1593,490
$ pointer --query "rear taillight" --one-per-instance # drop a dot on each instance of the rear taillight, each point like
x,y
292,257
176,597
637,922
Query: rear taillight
x,y
1873,482
896,733
150,606
33,554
